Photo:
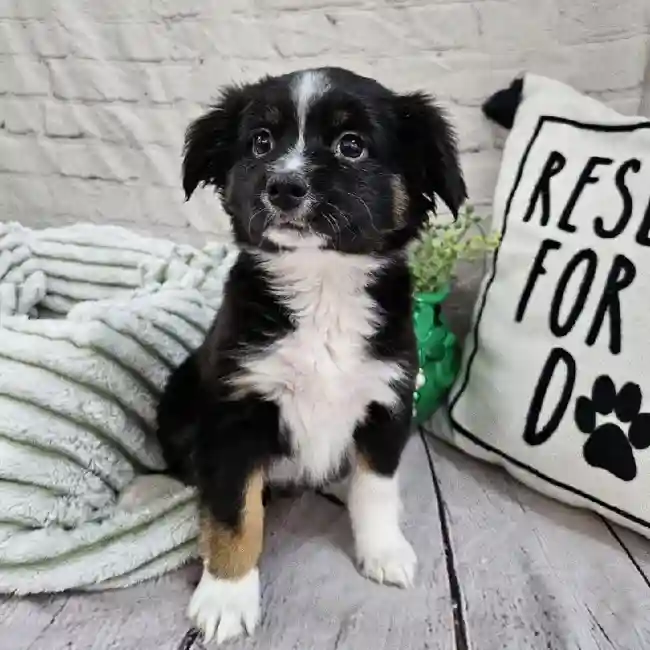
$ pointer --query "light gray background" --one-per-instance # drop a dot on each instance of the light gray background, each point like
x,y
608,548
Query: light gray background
x,y
95,95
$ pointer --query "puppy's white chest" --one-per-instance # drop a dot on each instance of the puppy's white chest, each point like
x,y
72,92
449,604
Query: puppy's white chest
x,y
321,375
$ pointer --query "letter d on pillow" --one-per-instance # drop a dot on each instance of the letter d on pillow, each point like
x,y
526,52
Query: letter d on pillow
x,y
555,381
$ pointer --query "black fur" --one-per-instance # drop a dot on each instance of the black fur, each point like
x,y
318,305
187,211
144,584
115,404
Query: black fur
x,y
427,153
381,437
214,437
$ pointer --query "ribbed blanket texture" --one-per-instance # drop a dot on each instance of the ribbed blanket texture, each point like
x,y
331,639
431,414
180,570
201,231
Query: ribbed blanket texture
x,y
92,321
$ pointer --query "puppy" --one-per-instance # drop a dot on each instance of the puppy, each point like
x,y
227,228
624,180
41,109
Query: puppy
x,y
311,361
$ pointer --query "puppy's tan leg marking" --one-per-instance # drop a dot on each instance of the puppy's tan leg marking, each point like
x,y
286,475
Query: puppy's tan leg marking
x,y
383,553
229,553
227,600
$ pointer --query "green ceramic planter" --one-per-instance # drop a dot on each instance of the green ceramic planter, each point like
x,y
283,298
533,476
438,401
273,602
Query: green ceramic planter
x,y
438,352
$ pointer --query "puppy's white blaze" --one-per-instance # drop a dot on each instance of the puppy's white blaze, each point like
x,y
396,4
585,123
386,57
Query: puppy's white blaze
x,y
294,161
306,89
383,553
309,86
322,375
230,608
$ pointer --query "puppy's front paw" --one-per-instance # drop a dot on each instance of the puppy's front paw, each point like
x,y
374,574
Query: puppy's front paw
x,y
228,607
388,560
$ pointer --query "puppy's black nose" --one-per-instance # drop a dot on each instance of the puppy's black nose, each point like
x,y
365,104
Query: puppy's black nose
x,y
286,191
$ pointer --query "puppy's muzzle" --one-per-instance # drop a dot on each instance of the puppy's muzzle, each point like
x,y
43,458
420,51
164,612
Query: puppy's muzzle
x,y
286,191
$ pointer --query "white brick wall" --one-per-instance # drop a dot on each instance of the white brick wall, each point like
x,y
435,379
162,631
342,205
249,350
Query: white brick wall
x,y
95,95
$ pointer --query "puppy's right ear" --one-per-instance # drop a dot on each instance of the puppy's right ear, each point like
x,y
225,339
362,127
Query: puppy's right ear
x,y
211,141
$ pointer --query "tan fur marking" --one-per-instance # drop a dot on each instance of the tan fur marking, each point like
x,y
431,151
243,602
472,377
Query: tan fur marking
x,y
400,200
363,464
232,554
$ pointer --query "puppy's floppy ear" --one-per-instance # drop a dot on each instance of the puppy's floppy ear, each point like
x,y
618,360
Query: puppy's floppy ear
x,y
429,153
211,141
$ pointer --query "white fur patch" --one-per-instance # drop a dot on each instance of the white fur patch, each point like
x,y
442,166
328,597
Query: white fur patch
x,y
309,86
292,239
322,375
383,553
230,608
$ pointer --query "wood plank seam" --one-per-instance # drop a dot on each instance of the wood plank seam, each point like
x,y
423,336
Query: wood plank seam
x,y
461,636
331,498
627,551
50,623
600,627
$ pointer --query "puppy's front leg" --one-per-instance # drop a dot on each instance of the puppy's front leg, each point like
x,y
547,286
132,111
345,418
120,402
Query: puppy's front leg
x,y
227,599
383,553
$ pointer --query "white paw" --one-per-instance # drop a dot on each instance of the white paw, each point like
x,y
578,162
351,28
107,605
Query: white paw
x,y
389,560
230,608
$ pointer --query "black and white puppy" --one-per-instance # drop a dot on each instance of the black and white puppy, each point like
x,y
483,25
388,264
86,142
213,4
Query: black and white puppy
x,y
311,362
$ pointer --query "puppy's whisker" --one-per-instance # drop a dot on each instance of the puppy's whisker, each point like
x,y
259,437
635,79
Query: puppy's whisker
x,y
347,223
250,220
365,205
344,216
332,222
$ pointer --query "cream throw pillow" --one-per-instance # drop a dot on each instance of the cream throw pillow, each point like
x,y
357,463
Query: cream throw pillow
x,y
555,380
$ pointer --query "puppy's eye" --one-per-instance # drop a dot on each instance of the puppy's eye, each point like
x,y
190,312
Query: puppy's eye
x,y
262,142
350,145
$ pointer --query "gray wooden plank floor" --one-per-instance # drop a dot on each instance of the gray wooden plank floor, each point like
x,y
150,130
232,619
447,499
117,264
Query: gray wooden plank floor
x,y
502,567
313,597
536,574
636,546
23,620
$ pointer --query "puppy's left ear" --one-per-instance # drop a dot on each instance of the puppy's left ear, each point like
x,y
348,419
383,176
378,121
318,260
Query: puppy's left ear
x,y
429,153
210,143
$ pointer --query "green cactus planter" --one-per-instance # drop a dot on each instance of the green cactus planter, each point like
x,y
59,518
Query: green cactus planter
x,y
438,352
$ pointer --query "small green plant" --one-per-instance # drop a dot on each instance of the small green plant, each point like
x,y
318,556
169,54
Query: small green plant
x,y
436,254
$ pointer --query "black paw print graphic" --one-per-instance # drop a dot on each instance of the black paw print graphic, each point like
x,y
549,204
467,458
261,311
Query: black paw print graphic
x,y
609,446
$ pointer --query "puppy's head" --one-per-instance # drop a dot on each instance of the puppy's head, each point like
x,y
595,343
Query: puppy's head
x,y
324,158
